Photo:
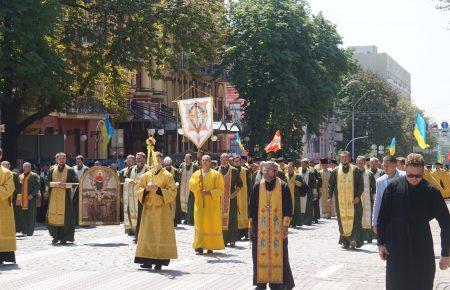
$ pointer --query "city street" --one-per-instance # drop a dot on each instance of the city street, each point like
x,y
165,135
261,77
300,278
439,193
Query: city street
x,y
102,258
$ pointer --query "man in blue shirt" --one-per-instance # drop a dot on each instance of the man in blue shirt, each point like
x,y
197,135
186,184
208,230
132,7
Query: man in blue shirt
x,y
391,173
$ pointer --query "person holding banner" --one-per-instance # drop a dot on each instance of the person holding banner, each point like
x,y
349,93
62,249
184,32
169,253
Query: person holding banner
x,y
156,243
60,218
270,213
207,186
233,185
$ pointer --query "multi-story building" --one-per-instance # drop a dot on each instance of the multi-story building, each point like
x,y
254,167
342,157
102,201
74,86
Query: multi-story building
x,y
150,104
385,66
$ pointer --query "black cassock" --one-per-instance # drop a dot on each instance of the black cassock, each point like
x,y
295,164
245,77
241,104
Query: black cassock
x,y
404,229
253,209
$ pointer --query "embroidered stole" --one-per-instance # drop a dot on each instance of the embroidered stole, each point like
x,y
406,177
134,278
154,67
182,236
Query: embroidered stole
x,y
366,204
225,204
345,200
270,237
292,183
242,201
303,199
184,187
57,206
24,182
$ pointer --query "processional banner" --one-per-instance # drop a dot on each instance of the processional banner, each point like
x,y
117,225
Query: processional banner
x,y
197,119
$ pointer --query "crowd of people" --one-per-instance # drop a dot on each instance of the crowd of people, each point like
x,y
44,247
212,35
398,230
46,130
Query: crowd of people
x,y
241,198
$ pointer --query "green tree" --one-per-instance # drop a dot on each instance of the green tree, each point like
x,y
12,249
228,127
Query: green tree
x,y
285,62
53,52
383,114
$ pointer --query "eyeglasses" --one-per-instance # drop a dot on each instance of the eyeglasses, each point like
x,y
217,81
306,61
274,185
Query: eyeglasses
x,y
416,176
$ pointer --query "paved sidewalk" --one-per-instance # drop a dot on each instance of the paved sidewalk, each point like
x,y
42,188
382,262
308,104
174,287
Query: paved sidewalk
x,y
102,258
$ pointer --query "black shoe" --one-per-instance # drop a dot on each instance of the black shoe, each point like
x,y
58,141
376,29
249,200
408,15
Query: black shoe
x,y
55,241
63,242
146,266
199,251
210,251
158,267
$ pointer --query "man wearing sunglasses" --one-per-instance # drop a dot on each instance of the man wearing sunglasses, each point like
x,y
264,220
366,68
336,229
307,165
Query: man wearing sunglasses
x,y
408,205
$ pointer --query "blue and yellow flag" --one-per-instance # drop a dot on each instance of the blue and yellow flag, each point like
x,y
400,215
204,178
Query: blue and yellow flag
x,y
109,128
392,146
420,132
239,142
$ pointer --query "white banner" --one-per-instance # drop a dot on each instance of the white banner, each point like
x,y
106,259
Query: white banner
x,y
197,119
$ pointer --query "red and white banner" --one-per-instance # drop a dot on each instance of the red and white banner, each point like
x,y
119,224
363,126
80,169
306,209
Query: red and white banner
x,y
275,144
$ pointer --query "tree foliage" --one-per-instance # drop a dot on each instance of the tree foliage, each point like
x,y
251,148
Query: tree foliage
x,y
286,63
383,115
53,52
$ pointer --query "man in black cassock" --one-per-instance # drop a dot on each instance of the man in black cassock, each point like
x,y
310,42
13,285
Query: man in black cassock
x,y
404,237
270,180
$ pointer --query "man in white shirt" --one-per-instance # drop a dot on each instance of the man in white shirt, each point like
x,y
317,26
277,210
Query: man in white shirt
x,y
391,173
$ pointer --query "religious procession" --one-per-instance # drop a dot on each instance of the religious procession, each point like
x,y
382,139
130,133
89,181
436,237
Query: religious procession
x,y
224,144
239,198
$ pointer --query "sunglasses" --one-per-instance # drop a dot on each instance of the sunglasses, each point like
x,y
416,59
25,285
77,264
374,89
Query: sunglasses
x,y
416,176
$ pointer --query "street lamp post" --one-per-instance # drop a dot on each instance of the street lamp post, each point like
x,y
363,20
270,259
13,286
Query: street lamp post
x,y
353,120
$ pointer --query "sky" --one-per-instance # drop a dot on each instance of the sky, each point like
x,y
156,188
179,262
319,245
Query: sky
x,y
412,32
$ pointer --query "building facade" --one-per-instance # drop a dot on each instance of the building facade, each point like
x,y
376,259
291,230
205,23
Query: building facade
x,y
385,66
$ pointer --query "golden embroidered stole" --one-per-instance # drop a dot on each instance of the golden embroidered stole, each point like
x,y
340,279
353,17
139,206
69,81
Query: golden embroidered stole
x,y
292,183
345,198
366,203
225,204
270,236
24,182
57,206
242,201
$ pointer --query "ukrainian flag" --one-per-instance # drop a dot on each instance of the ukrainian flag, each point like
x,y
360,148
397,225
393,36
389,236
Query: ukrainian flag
x,y
239,142
420,132
392,146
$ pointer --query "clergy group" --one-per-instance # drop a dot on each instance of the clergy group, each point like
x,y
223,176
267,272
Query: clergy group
x,y
239,198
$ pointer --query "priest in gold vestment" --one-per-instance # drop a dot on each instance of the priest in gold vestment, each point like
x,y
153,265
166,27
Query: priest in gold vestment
x,y
347,184
270,213
443,178
7,225
60,217
207,185
156,243
243,196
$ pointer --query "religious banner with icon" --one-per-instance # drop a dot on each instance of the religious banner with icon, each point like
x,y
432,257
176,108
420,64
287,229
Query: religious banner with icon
x,y
197,119
99,197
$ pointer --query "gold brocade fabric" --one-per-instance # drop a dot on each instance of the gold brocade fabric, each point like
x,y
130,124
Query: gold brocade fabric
x,y
24,181
444,179
270,235
242,201
325,174
366,203
345,199
225,204
207,215
57,203
7,224
292,183
427,175
156,235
